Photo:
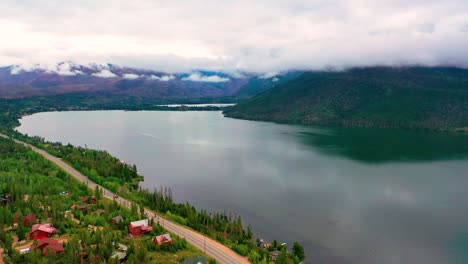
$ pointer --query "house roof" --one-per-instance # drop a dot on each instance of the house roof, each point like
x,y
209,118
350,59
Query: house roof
x,y
29,218
143,222
82,207
196,260
88,198
118,218
123,247
46,241
99,211
118,255
162,238
146,228
49,245
47,228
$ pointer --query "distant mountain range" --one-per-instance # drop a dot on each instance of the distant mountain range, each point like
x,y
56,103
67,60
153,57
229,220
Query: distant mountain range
x,y
406,97
18,81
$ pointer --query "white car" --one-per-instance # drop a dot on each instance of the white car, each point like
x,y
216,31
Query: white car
x,y
25,250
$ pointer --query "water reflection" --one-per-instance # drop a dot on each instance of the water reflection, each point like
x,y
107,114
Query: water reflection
x,y
387,145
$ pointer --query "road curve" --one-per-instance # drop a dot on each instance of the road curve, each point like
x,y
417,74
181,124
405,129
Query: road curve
x,y
212,248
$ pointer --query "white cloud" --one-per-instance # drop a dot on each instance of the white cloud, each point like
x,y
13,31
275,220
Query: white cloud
x,y
275,79
63,68
246,36
268,75
196,77
15,69
130,76
164,78
105,74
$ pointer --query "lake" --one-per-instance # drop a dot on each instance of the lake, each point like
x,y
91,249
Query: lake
x,y
349,195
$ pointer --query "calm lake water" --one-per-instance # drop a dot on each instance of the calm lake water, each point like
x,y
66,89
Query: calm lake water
x,y
348,195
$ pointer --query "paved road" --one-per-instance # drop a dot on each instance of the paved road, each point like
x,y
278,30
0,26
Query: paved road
x,y
214,249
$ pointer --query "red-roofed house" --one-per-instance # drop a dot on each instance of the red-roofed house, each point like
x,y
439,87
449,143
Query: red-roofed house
x,y
163,239
40,231
89,199
29,220
139,228
49,246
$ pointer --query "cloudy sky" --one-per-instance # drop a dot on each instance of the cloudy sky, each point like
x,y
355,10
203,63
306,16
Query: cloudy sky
x,y
235,35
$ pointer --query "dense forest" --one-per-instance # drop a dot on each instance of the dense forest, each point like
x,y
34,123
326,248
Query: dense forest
x,y
401,97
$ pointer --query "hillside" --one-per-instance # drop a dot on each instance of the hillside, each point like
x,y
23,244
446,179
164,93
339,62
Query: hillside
x,y
256,85
407,97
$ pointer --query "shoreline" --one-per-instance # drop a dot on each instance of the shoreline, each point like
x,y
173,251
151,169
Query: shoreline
x,y
206,244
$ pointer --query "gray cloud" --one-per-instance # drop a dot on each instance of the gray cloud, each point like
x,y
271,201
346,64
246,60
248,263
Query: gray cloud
x,y
256,36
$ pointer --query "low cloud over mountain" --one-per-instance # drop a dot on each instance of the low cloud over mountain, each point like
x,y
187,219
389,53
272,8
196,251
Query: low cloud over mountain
x,y
110,79
196,77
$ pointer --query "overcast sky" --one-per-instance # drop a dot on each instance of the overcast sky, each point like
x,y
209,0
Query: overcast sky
x,y
256,36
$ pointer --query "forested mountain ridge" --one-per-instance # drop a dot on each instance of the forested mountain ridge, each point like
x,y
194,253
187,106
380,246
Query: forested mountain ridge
x,y
406,97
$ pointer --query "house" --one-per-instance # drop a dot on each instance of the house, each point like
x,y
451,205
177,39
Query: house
x,y
40,231
163,239
89,199
196,260
139,228
264,244
29,219
123,248
116,220
120,247
274,255
49,246
121,256
79,207
4,201
99,211
6,198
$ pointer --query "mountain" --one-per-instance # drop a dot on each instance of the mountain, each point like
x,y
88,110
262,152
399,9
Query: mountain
x,y
258,84
18,81
407,97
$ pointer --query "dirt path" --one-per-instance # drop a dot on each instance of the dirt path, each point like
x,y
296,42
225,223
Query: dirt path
x,y
212,248
15,240
1,256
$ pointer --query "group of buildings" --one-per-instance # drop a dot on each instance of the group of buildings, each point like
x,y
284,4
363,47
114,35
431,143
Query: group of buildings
x,y
43,232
